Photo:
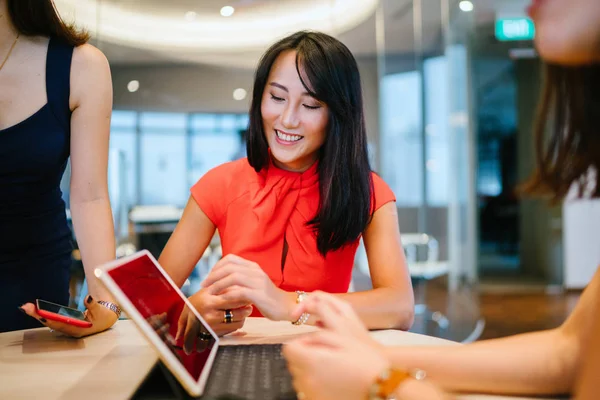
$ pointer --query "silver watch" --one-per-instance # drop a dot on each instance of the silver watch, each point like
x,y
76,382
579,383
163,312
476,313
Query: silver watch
x,y
111,306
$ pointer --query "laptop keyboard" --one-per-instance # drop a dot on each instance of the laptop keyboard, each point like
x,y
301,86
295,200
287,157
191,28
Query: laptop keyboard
x,y
250,372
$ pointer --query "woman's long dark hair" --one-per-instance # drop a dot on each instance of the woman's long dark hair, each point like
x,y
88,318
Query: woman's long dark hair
x,y
330,74
567,133
40,18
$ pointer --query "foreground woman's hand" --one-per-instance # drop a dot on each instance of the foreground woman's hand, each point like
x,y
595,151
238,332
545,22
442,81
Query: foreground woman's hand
x,y
333,314
327,366
330,366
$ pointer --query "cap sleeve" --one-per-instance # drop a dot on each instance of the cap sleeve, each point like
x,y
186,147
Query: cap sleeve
x,y
210,192
382,193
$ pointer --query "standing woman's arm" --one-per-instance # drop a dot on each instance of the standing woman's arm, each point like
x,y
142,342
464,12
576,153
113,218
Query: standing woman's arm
x,y
91,103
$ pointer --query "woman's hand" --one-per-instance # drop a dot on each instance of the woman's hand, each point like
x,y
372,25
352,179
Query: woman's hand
x,y
212,308
236,279
333,314
330,366
101,318
327,366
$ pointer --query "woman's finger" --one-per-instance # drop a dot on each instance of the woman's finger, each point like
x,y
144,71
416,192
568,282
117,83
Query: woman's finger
x,y
230,302
230,259
336,304
236,278
216,320
61,327
324,339
240,297
224,271
294,352
342,306
96,311
29,309
224,329
326,314
240,314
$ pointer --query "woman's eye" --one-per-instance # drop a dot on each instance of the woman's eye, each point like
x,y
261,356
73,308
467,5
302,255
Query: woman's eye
x,y
311,107
276,98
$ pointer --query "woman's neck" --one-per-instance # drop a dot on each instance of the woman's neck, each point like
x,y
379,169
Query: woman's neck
x,y
8,32
299,166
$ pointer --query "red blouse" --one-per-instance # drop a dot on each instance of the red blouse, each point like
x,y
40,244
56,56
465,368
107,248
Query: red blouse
x,y
254,212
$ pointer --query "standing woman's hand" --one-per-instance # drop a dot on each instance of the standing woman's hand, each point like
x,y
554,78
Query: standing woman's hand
x,y
100,316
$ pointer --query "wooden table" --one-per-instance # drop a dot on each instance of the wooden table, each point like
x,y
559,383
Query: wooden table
x,y
39,364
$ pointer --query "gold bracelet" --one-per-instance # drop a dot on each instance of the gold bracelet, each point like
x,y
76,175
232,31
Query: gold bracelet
x,y
300,296
389,380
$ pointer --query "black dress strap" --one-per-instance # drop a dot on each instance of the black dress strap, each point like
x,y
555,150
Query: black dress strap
x,y
58,80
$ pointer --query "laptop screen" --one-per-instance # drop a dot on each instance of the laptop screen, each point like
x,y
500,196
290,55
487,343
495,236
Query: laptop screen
x,y
161,305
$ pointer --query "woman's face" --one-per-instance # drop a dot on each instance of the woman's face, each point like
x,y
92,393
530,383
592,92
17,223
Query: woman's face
x,y
294,122
567,31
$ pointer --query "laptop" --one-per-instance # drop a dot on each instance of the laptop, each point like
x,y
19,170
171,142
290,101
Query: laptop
x,y
204,369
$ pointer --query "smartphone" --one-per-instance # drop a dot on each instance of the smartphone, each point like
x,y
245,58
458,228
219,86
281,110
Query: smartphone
x,y
56,312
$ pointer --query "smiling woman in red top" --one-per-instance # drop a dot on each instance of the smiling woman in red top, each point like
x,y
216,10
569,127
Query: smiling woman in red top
x,y
291,215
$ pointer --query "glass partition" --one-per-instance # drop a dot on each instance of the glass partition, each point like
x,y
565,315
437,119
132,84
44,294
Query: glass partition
x,y
425,137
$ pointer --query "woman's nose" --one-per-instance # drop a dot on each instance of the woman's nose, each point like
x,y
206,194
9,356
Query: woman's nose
x,y
289,118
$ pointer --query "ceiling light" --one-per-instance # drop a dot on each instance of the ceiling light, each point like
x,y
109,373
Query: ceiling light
x,y
227,11
239,94
190,16
466,6
133,86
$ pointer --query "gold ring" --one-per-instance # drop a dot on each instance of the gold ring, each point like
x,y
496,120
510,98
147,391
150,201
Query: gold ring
x,y
228,317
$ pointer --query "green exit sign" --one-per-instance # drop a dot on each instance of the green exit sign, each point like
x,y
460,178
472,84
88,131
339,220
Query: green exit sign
x,y
515,29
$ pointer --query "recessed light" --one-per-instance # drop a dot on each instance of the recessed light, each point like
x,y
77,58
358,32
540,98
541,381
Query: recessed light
x,y
466,6
239,94
227,11
133,86
190,16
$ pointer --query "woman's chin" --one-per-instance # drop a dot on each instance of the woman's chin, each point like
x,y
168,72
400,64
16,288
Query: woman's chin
x,y
286,161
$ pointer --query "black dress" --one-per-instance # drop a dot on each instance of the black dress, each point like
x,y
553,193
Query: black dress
x,y
35,240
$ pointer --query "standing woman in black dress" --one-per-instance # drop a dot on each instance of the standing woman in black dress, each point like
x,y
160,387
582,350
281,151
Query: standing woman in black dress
x,y
55,102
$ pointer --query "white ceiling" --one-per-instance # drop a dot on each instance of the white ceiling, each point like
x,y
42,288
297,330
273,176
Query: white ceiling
x,y
360,38
178,8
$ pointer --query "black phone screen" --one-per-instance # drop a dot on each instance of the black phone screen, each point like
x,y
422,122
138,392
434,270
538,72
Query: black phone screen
x,y
60,310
